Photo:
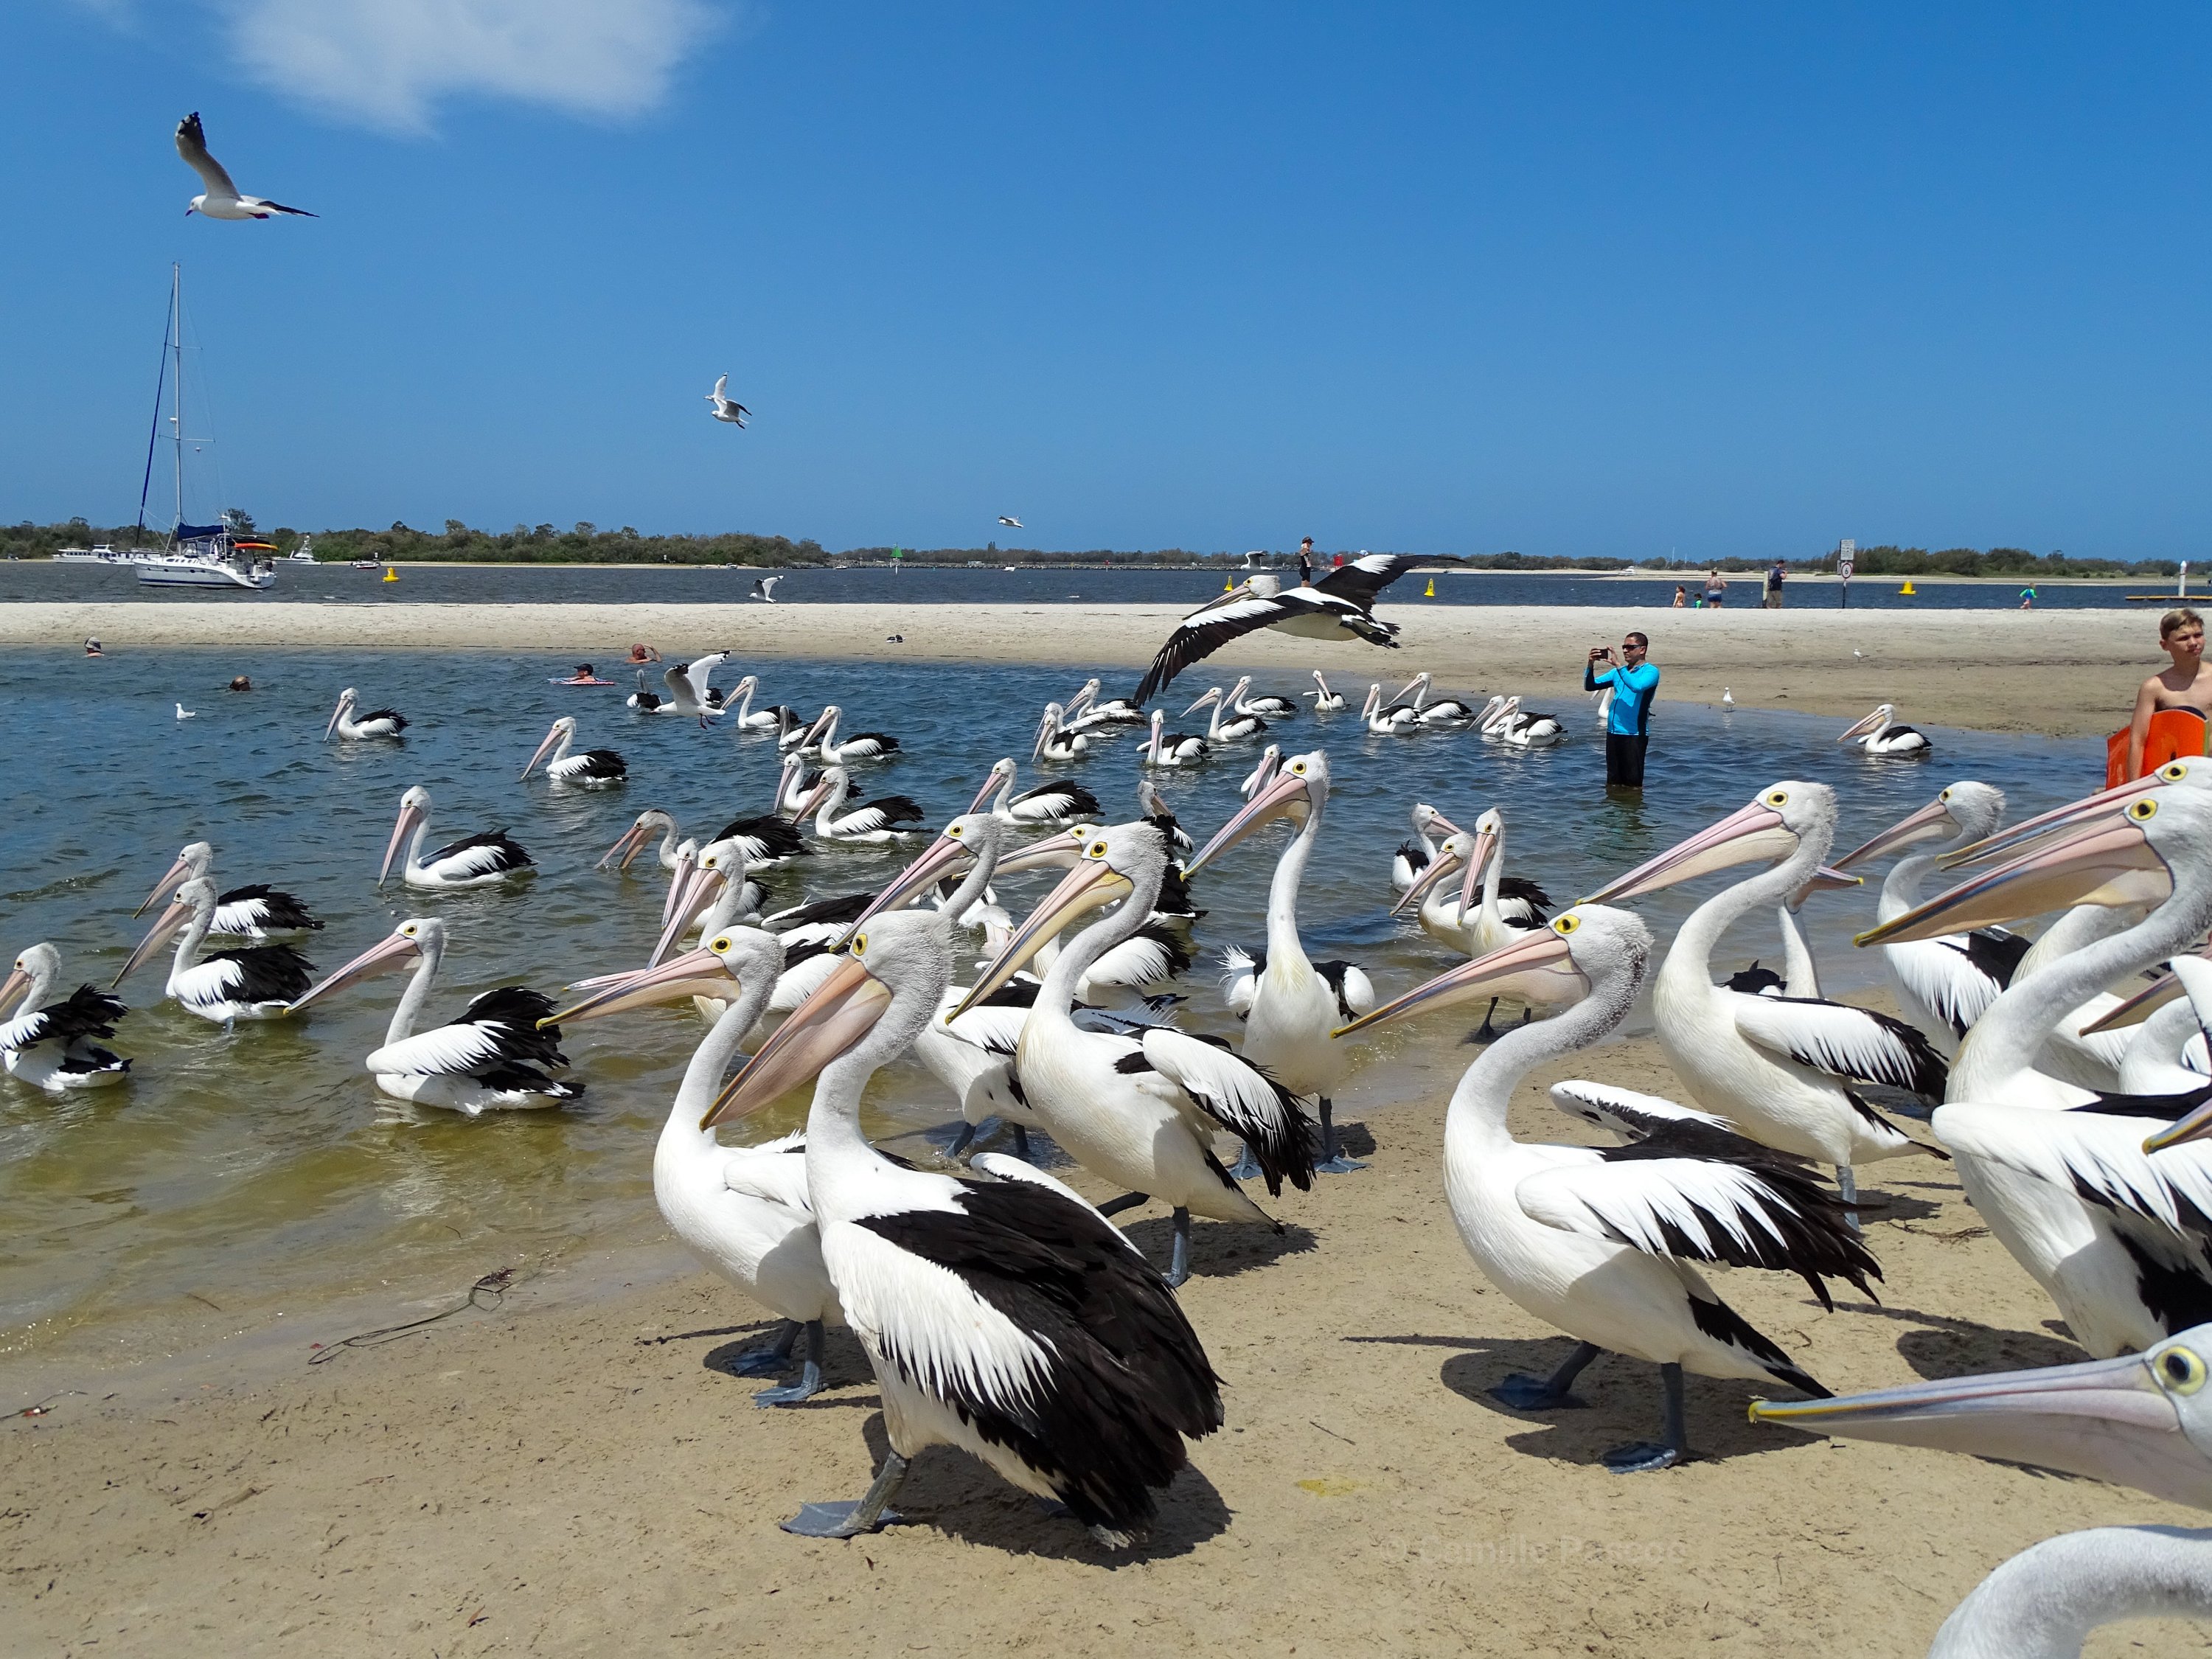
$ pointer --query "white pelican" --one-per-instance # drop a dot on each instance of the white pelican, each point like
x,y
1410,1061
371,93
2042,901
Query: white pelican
x,y
254,911
742,1211
739,706
220,198
1599,1241
1044,803
794,784
257,982
479,861
1340,605
1445,711
714,896
1084,711
1236,728
1415,855
1270,762
793,731
595,769
2143,1421
636,839
1508,907
489,1059
872,823
1163,748
860,746
725,407
1266,703
1326,702
49,1046
1003,1318
1295,1005
1502,719
1055,740
1393,721
377,723
1879,733
644,702
1139,1109
1778,1069
2168,1054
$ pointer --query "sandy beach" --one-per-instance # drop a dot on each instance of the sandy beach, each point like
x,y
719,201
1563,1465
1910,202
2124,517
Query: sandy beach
x,y
581,1475
2059,673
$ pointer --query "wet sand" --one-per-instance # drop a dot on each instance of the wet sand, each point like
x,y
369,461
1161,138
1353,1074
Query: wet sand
x,y
2059,673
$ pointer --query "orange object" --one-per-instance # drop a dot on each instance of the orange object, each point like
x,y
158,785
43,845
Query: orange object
x,y
2174,732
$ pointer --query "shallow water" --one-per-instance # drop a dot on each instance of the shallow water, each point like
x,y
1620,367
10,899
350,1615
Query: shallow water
x,y
250,1170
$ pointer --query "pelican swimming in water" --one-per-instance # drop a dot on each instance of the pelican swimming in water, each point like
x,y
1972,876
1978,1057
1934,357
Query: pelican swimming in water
x,y
884,819
254,911
1414,856
1396,720
1056,802
1879,733
860,746
1326,702
1445,711
489,1059
479,861
258,981
1235,728
1055,740
49,1046
1085,712
1167,749
1267,704
376,723
739,706
595,769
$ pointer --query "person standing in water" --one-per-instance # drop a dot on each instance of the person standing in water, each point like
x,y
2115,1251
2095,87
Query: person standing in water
x,y
2182,687
1635,682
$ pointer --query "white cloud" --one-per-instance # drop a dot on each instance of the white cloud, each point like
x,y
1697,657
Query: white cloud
x,y
389,62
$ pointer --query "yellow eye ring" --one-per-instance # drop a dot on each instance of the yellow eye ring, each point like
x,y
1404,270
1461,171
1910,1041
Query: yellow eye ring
x,y
2143,811
2180,1370
1946,795
2173,772
1565,925
721,944
955,831
859,944
1097,850
408,930
1777,798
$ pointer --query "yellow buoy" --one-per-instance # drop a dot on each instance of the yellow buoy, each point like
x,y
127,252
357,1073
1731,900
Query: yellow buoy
x,y
1228,587
1907,589
390,575
1431,593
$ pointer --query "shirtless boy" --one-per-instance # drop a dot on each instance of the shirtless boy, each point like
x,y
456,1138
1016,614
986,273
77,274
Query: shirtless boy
x,y
2184,685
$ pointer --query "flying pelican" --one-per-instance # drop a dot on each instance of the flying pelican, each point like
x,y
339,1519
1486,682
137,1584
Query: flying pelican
x,y
1002,1318
257,982
883,819
1273,706
486,1061
1599,1241
739,704
724,407
1340,605
1779,1070
2143,1420
1163,748
742,1211
480,861
377,723
254,911
1445,711
1045,803
1326,702
1235,729
1295,1006
1396,720
860,746
764,588
50,1045
595,769
1139,1109
1878,734
1055,740
1084,711
220,199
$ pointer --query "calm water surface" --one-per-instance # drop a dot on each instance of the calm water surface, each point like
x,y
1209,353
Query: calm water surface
x,y
258,1169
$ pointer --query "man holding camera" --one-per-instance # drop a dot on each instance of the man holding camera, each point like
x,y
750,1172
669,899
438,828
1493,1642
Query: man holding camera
x,y
1635,682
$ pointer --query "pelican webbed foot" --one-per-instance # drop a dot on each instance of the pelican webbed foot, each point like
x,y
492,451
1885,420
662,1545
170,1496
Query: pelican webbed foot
x,y
1247,1168
809,1373
846,1519
1526,1393
769,1360
1641,1456
1331,1160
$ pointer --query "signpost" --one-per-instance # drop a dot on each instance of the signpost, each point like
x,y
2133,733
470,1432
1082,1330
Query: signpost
x,y
1846,553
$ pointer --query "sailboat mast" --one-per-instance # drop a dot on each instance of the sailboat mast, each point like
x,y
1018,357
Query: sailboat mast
x,y
177,418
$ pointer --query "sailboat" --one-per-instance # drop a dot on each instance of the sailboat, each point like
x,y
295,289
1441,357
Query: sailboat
x,y
220,555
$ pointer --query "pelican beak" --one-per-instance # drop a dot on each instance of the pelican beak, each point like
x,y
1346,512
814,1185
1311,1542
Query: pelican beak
x,y
1204,697
1053,851
1410,685
1537,968
164,928
2111,1420
2045,826
333,726
813,799
1446,861
1081,701
1932,822
2194,1126
1751,835
2139,1007
698,892
168,883
991,784
1044,731
1861,726
2108,861
695,972
843,1010
1486,848
1092,884
13,989
1826,879
679,880
939,860
386,953
1284,793
543,750
629,846
410,817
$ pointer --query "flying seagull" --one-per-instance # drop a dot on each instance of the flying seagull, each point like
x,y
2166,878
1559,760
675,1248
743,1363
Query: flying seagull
x,y
221,199
1341,606
725,410
764,587
1011,523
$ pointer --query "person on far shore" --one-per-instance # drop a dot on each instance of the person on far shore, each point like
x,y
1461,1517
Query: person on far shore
x,y
1305,563
1716,589
1681,597
643,653
2183,686
1628,718
2028,598
1774,575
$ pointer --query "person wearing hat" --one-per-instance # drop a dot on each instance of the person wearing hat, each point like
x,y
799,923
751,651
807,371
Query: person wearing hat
x,y
583,675
1305,563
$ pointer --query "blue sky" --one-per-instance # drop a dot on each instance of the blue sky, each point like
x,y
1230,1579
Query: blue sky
x,y
1727,280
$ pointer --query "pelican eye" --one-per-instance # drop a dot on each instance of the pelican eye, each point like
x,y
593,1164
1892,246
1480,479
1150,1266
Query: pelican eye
x,y
2180,1370
956,830
2143,811
1097,850
1946,795
859,944
721,944
1298,767
2173,772
1565,925
407,931
1777,798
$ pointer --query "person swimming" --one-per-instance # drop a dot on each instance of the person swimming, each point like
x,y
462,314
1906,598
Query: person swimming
x,y
583,675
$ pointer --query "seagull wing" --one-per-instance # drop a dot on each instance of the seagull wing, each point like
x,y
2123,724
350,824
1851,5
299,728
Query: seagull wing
x,y
192,144
1204,632
721,385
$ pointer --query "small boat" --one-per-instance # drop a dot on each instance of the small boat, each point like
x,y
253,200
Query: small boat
x,y
304,553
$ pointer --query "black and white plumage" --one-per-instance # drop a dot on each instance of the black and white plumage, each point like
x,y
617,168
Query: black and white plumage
x,y
51,1046
480,861
1222,725
493,1058
1085,711
1010,521
1338,606
1055,741
1445,711
1504,718
860,746
687,691
1055,802
594,768
644,702
254,911
1326,702
1414,857
220,199
724,407
871,822
376,723
768,838
1177,749
1881,734
257,982
1267,705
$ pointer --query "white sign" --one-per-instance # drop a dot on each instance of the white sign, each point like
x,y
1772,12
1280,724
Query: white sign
x,y
1845,551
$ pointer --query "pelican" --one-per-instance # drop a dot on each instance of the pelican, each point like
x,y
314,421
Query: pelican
x,y
711,897
1084,711
1599,1241
793,731
1445,711
49,1046
1779,1070
793,785
480,861
1045,803
257,982
725,407
1294,1008
377,723
1002,1318
1414,856
636,839
486,1061
595,769
2144,1421
1502,719
1139,1109
742,1211
1267,704
2169,1052
739,706
1879,733
1163,748
764,589
1326,702
1270,762
644,702
253,912
860,746
1396,720
1509,906
878,821
1236,728
1055,741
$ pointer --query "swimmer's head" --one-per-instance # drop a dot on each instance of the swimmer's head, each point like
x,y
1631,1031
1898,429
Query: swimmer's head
x,y
2175,620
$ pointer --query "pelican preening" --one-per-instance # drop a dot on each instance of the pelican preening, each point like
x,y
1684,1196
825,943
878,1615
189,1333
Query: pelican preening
x,y
479,861
595,769
50,1045
376,723
254,912
1879,733
259,981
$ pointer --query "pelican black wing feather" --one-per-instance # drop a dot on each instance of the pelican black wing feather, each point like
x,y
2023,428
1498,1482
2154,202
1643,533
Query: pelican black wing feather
x,y
1175,896
268,973
897,809
511,855
87,1011
1997,951
1521,887
1361,579
278,909
847,907
398,721
1205,631
775,836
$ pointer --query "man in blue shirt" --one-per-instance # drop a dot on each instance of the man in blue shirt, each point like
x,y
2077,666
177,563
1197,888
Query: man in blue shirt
x,y
1635,682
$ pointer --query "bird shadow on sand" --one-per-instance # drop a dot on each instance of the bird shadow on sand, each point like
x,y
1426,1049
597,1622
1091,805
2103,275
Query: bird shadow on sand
x,y
1940,1346
1220,1249
844,1365
1878,1204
